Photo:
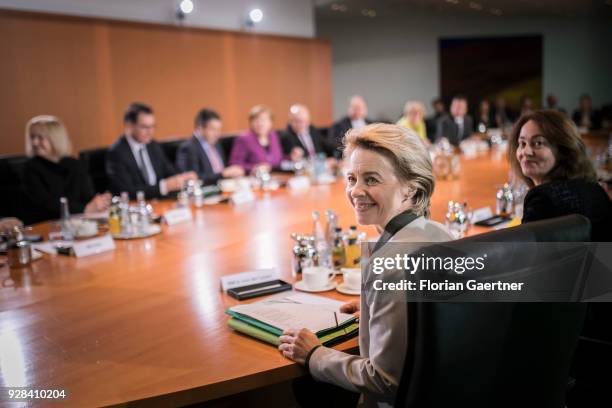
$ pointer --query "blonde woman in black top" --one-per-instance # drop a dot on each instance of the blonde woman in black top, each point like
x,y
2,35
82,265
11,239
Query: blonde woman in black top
x,y
51,173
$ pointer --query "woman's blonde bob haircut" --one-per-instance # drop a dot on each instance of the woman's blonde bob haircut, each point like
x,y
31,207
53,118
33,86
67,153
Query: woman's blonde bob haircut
x,y
416,105
407,153
53,129
258,110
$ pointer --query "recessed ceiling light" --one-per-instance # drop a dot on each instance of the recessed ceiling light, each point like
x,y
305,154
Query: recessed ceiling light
x,y
496,11
475,6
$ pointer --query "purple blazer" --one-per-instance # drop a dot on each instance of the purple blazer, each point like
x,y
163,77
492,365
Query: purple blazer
x,y
247,152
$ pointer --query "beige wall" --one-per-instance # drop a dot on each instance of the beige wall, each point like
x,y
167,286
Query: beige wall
x,y
86,71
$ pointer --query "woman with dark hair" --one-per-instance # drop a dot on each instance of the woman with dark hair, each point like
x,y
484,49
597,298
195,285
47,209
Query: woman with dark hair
x,y
547,152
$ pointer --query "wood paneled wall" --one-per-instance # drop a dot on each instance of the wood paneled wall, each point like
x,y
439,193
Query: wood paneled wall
x,y
86,71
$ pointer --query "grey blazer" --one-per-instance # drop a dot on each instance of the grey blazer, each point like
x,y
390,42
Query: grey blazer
x,y
383,331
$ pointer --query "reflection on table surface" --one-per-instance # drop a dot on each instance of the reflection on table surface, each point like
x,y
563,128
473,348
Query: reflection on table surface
x,y
147,320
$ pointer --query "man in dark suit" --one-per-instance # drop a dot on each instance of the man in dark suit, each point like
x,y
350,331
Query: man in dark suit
x,y
202,154
136,162
301,139
458,125
356,118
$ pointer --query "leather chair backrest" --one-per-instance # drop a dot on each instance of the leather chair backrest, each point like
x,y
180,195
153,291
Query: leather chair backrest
x,y
494,354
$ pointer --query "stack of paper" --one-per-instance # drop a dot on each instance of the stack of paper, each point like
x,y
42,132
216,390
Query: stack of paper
x,y
266,320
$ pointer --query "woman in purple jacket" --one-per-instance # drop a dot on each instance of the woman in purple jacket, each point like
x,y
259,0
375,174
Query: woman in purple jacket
x,y
260,145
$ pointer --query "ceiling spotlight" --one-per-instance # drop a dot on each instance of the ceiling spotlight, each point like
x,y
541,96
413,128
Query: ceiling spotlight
x,y
475,6
256,15
185,7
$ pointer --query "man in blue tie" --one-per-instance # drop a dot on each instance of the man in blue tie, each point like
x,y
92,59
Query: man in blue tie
x,y
136,162
202,154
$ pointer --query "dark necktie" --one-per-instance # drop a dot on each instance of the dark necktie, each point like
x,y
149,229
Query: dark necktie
x,y
143,167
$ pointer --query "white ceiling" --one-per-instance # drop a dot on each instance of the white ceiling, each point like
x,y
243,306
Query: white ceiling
x,y
494,8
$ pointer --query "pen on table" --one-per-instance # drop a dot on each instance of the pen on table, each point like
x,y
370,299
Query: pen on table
x,y
336,318
276,285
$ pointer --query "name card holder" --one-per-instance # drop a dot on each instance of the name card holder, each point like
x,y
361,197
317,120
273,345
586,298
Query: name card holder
x,y
248,278
178,215
481,214
242,196
93,246
298,183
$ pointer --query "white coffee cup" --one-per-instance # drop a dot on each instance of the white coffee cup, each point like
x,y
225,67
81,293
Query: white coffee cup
x,y
352,278
317,277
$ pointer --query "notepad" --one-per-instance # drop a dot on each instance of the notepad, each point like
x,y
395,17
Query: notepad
x,y
270,317
284,316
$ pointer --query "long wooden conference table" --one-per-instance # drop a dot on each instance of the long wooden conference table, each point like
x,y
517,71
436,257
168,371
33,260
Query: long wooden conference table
x,y
145,324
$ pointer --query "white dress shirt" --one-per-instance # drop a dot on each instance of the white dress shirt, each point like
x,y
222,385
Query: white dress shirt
x,y
459,121
359,123
306,140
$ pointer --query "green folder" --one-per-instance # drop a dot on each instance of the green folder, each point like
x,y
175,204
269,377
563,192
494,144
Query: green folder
x,y
275,330
331,337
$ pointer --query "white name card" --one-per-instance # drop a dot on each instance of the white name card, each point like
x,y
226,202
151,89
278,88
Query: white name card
x,y
242,196
93,246
298,183
248,278
178,215
481,214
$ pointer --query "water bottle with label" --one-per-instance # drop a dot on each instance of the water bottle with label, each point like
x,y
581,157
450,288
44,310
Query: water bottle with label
x,y
143,213
323,249
67,233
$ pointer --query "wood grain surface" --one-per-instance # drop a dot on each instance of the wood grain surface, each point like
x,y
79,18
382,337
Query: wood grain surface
x,y
145,324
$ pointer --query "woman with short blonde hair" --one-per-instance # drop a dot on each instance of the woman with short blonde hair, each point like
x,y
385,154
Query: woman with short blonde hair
x,y
409,156
414,119
51,173
55,132
389,184
260,146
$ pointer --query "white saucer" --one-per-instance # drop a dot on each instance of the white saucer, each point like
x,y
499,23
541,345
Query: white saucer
x,y
342,288
301,286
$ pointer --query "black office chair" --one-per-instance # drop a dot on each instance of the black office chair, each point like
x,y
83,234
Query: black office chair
x,y
170,148
226,142
13,202
494,354
95,163
324,131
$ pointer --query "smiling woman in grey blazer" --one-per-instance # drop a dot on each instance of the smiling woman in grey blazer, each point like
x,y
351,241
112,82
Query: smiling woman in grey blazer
x,y
389,184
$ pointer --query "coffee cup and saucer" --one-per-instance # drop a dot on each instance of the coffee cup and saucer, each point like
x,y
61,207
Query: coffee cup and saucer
x,y
351,285
316,279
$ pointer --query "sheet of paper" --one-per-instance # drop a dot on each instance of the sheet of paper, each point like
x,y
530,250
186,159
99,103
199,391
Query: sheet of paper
x,y
293,315
308,299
